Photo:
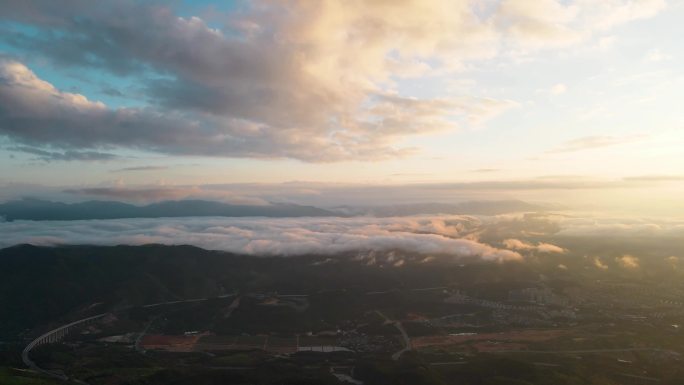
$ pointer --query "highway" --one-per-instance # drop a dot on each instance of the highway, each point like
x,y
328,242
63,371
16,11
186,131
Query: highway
x,y
54,335
404,335
57,334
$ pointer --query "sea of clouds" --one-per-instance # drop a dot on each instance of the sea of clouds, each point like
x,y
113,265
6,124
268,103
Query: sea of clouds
x,y
268,236
494,238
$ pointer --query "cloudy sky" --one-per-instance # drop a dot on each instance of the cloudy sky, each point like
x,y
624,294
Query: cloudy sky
x,y
289,100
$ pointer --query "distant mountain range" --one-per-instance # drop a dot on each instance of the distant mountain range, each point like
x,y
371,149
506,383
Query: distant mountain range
x,y
35,209
464,208
38,210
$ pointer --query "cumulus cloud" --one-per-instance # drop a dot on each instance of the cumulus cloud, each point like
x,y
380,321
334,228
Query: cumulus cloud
x,y
310,80
607,14
628,261
36,113
269,85
538,23
673,261
535,24
260,236
599,264
549,248
542,247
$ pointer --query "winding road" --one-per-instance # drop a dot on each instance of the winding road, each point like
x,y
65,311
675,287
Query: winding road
x,y
404,335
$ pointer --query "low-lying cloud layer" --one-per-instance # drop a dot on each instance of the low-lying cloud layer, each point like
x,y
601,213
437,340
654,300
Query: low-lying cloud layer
x,y
604,243
260,236
621,227
516,244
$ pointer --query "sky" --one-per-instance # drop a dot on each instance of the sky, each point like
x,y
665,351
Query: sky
x,y
345,102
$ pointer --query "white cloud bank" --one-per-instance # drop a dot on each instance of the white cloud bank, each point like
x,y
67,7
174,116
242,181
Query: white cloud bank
x,y
261,236
542,247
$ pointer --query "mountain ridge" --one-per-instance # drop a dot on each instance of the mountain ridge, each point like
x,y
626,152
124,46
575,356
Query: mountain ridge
x,y
41,210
